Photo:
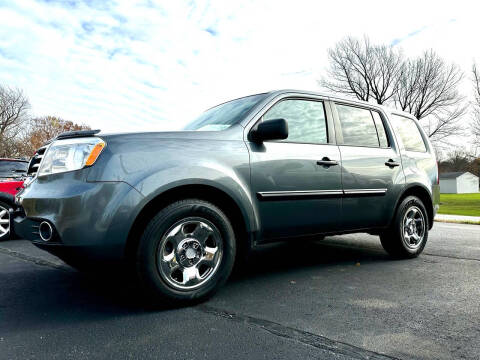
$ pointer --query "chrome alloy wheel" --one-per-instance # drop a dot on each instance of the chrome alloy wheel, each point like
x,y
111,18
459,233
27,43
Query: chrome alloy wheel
x,y
189,253
414,227
4,222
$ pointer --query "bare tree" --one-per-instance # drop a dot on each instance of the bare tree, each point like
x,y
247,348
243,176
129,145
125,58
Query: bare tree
x,y
14,107
444,123
21,135
408,84
428,84
476,103
365,71
428,88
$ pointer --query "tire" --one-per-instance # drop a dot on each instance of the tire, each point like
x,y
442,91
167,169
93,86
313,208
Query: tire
x,y
186,252
408,234
4,221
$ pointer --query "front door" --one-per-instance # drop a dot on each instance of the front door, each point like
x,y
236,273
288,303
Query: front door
x,y
297,181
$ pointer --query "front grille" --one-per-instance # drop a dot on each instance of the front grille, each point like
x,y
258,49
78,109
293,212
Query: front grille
x,y
35,161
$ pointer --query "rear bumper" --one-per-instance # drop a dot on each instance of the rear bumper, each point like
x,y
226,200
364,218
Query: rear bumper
x,y
90,220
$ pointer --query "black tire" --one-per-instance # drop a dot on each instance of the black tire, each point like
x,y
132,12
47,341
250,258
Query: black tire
x,y
148,272
393,239
4,206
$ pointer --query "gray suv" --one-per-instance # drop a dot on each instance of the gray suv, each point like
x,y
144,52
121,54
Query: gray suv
x,y
178,208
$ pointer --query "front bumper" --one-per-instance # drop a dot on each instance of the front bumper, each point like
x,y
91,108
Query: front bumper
x,y
90,219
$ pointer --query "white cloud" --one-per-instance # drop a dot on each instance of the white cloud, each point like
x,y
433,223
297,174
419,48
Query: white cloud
x,y
124,66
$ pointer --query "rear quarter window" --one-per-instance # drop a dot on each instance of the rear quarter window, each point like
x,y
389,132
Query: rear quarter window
x,y
409,133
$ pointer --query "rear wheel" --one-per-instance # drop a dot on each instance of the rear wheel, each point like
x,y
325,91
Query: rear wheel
x,y
408,233
4,221
186,252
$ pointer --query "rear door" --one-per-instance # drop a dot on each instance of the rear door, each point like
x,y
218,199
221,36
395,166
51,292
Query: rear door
x,y
372,173
296,182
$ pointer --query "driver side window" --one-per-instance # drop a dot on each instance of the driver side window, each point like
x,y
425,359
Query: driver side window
x,y
306,120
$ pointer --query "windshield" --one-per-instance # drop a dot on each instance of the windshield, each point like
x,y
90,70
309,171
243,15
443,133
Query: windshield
x,y
12,169
223,116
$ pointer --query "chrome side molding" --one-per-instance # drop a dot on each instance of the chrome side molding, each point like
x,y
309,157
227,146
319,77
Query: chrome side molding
x,y
309,194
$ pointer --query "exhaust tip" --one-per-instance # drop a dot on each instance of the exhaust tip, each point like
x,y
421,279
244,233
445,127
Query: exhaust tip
x,y
46,231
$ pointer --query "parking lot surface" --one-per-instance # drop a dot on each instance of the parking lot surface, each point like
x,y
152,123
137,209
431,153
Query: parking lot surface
x,y
341,298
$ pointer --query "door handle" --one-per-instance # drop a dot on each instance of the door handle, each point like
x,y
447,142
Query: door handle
x,y
391,164
327,162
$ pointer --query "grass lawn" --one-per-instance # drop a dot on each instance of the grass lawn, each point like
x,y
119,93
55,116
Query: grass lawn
x,y
460,204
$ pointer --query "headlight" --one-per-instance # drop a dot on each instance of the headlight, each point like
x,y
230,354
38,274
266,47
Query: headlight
x,y
71,154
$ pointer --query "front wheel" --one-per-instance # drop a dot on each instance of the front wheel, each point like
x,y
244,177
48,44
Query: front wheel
x,y
408,233
186,252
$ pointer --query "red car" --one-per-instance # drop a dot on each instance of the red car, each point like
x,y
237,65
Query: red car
x,y
12,174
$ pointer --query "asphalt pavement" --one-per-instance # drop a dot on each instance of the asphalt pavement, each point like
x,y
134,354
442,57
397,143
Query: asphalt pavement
x,y
340,298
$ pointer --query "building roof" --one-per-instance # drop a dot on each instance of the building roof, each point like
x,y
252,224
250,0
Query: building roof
x,y
453,175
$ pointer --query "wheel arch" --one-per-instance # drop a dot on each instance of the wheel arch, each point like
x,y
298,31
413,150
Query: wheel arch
x,y
423,194
216,196
7,199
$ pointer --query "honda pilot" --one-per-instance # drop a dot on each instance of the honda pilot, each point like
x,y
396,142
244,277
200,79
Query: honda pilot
x,y
179,208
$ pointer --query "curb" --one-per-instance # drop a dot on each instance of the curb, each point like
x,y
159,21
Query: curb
x,y
468,222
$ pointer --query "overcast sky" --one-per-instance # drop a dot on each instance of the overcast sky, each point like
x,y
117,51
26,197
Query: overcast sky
x,y
153,65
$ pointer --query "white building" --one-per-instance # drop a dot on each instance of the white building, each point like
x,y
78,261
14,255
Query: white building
x,y
458,183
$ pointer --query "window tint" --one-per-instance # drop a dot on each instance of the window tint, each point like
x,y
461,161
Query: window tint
x,y
382,135
306,120
358,128
409,133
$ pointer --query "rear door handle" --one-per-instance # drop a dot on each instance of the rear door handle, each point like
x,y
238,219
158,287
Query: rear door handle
x,y
390,163
327,162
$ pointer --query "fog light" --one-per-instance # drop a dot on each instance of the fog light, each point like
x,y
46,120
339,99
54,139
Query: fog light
x,y
45,230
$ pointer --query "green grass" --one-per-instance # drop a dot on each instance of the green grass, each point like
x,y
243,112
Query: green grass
x,y
460,204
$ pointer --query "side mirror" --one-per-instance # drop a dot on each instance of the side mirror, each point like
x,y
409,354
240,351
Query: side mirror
x,y
275,129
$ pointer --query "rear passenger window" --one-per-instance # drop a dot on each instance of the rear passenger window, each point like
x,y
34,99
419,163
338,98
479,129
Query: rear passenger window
x,y
409,133
306,120
382,135
357,124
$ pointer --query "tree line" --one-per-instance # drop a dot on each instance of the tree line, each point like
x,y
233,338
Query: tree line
x,y
21,133
425,86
